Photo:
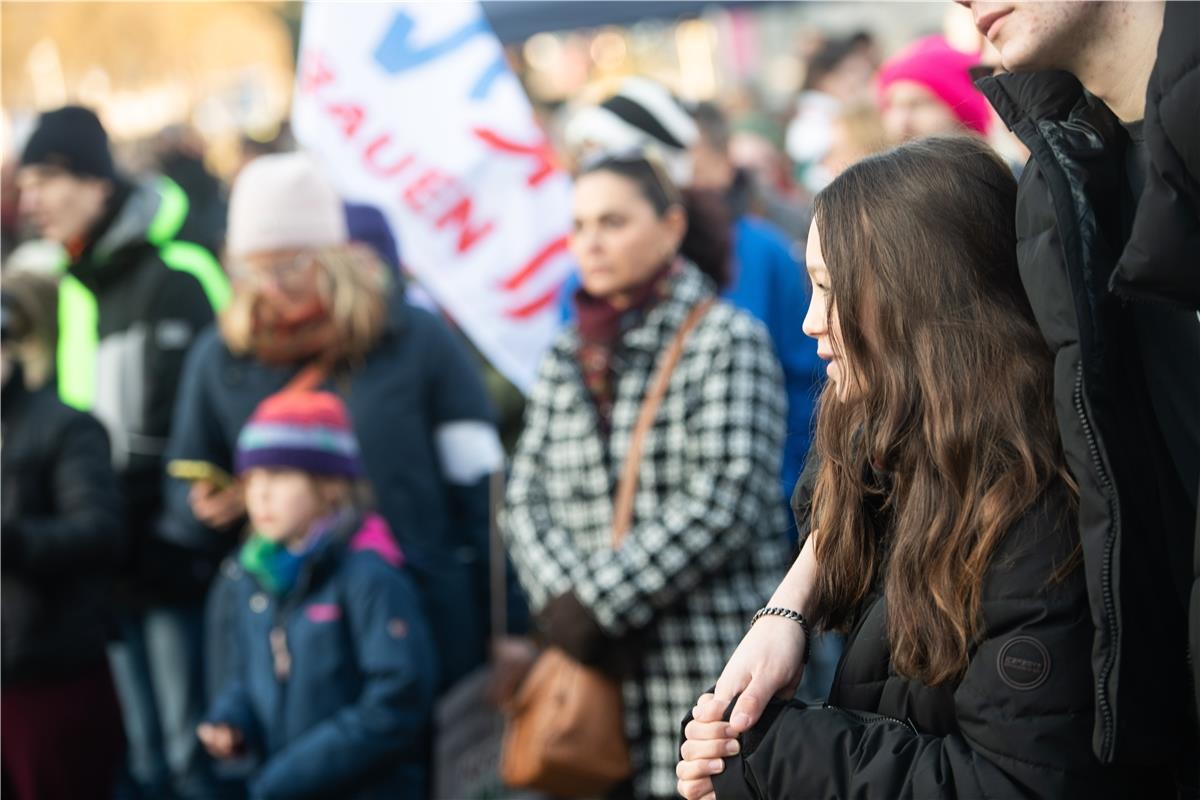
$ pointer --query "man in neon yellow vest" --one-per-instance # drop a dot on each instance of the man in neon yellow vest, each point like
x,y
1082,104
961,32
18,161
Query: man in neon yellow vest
x,y
131,302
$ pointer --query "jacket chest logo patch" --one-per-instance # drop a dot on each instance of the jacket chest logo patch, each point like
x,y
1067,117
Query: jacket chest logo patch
x,y
323,612
1023,663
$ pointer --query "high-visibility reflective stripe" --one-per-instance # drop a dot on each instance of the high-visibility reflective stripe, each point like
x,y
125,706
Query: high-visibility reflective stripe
x,y
200,264
172,211
78,340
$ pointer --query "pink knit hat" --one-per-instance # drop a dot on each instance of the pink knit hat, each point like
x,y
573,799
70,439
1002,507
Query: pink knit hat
x,y
934,64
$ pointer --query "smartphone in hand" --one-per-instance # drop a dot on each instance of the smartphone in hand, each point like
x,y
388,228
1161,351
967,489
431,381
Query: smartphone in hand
x,y
195,471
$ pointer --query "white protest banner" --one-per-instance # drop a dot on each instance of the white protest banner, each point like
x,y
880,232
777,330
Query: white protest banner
x,y
413,109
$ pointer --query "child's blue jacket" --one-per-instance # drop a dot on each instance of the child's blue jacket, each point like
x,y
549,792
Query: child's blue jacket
x,y
333,682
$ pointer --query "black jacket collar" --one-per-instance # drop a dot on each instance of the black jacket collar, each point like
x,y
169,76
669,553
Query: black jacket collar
x,y
1048,96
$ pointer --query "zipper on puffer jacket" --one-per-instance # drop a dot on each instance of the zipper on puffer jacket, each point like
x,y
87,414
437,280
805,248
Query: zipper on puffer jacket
x,y
1047,154
1110,614
281,656
868,717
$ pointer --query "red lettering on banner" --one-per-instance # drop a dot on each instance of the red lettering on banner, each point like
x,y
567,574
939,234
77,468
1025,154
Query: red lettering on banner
x,y
314,73
531,267
468,235
421,192
541,151
536,307
349,115
370,158
433,195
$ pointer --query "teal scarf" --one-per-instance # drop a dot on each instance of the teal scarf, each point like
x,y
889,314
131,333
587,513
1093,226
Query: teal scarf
x,y
275,565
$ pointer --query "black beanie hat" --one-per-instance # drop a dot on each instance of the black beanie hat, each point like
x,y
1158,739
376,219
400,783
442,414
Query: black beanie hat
x,y
73,139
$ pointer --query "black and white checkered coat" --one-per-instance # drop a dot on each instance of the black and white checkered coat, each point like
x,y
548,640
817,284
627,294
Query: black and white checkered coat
x,y
704,549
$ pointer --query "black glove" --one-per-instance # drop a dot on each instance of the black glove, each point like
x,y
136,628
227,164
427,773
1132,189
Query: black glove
x,y
566,623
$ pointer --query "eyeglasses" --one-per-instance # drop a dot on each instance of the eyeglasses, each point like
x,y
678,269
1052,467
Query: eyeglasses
x,y
291,274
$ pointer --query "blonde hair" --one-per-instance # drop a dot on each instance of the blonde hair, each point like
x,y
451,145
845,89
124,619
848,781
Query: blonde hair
x,y
36,296
858,133
354,284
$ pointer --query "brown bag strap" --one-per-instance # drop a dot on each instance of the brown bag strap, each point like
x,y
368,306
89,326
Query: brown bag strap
x,y
627,488
308,378
497,566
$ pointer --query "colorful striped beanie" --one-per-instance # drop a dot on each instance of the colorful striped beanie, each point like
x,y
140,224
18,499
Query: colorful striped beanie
x,y
303,430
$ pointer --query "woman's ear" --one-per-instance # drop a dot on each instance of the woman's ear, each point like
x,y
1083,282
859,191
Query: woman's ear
x,y
674,220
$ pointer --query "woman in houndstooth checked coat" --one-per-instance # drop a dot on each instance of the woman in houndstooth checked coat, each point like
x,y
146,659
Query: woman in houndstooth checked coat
x,y
664,610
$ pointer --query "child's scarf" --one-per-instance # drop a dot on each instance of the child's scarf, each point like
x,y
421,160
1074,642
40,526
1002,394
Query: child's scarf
x,y
277,567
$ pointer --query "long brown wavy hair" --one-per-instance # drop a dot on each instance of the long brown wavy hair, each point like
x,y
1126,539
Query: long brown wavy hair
x,y
947,431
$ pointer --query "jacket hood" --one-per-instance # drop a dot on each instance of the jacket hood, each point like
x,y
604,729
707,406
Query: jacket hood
x,y
133,221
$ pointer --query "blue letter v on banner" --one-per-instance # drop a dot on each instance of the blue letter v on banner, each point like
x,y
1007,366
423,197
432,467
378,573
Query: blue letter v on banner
x,y
396,53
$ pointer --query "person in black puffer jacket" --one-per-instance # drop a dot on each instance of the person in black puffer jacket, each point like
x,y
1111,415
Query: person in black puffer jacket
x,y
1159,262
942,528
62,537
1111,126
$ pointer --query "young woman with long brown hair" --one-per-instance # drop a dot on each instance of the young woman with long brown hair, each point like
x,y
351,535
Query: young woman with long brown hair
x,y
941,517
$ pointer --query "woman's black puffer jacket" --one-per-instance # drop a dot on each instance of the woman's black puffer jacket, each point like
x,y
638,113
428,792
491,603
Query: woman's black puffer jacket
x,y
1018,724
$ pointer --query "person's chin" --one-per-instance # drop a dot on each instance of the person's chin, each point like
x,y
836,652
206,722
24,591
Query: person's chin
x,y
270,532
1016,54
598,288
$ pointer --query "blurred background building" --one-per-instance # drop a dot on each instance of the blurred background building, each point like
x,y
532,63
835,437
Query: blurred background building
x,y
224,71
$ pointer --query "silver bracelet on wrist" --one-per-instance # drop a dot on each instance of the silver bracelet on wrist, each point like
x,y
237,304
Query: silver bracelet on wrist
x,y
787,613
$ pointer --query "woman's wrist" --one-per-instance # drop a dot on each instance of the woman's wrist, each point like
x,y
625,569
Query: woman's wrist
x,y
789,614
796,589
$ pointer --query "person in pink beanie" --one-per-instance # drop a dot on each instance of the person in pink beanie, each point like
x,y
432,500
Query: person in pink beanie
x,y
926,90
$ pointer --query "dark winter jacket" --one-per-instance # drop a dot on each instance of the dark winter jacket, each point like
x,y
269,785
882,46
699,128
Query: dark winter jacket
x,y
131,305
207,204
1017,724
1162,258
417,380
333,682
62,536
1137,507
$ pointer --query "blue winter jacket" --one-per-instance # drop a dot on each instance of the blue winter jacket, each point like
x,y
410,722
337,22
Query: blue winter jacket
x,y
767,281
332,682
416,379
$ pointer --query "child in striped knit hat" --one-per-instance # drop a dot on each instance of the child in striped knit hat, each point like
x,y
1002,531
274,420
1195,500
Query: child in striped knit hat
x,y
332,688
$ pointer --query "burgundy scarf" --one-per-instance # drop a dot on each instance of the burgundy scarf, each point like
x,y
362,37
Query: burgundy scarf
x,y
601,326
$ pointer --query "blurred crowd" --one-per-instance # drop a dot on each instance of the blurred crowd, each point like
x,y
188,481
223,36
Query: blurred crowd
x,y
248,495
